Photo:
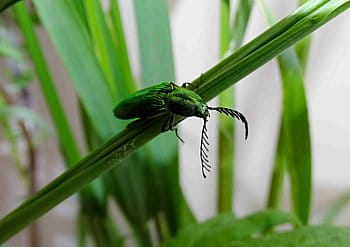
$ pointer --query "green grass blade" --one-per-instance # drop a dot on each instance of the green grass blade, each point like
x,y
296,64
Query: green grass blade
x,y
231,39
113,152
240,23
285,33
157,65
226,127
65,134
303,47
120,44
91,197
106,52
156,51
294,135
224,26
79,58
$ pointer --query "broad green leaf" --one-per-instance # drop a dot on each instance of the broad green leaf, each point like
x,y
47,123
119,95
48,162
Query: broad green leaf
x,y
113,152
79,58
308,236
295,133
225,228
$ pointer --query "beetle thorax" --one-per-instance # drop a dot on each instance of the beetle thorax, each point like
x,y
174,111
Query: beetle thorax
x,y
186,103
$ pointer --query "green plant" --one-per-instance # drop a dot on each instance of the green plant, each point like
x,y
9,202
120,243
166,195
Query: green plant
x,y
97,47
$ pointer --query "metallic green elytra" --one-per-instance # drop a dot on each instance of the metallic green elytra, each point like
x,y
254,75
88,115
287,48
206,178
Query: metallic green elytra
x,y
167,97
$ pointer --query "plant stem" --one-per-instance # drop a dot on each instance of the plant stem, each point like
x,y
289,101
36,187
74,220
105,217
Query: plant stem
x,y
231,39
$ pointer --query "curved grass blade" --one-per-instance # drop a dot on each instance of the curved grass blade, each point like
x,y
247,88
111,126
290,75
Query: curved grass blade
x,y
231,39
79,58
295,133
118,79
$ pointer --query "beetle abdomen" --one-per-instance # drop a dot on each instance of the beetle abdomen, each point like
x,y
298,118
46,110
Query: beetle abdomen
x,y
144,103
138,108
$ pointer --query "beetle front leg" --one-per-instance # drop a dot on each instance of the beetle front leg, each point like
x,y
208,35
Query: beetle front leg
x,y
169,125
166,125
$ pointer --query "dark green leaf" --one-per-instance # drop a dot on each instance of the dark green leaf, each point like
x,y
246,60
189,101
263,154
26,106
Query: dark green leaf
x,y
79,58
309,236
225,228
295,133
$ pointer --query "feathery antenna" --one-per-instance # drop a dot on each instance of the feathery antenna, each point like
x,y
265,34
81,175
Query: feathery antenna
x,y
234,114
204,149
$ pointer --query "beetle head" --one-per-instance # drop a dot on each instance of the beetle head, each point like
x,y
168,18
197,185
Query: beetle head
x,y
203,111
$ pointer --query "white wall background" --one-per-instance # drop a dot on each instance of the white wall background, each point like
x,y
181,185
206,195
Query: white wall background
x,y
194,25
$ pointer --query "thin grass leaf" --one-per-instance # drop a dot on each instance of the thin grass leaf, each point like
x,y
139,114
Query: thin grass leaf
x,y
226,126
113,152
65,134
106,52
118,37
295,133
92,197
231,39
157,64
303,47
78,55
79,58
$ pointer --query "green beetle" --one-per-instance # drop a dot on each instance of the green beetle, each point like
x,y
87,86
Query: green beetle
x,y
167,97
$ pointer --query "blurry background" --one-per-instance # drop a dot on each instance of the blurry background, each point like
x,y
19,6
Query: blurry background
x,y
195,38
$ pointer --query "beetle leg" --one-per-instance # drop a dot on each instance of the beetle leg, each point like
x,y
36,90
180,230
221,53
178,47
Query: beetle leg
x,y
169,125
166,125
177,135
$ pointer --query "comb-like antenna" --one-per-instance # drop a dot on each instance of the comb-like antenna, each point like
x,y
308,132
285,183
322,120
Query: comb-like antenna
x,y
204,149
234,114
